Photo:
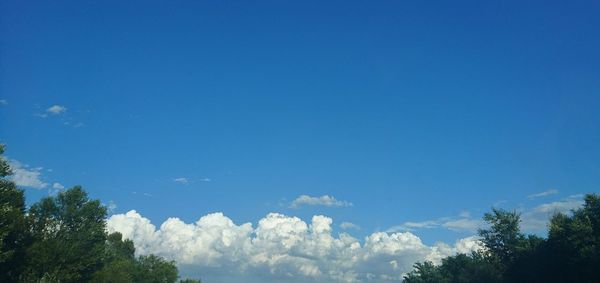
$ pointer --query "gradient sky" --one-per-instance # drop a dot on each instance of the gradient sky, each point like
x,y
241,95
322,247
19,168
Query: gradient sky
x,y
399,111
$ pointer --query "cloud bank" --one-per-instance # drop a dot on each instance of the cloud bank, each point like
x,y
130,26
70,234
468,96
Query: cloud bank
x,y
279,249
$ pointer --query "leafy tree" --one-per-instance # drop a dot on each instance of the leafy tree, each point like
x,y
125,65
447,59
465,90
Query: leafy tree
x,y
503,240
574,243
119,261
570,254
64,239
154,269
424,272
69,237
470,268
461,268
13,229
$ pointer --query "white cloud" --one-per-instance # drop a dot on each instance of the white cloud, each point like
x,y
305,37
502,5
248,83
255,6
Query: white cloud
x,y
562,206
349,225
111,206
56,109
57,186
463,224
3,102
279,249
25,176
181,180
543,194
55,189
464,214
322,200
533,219
536,219
411,226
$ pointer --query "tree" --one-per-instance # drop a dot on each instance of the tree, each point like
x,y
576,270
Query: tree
x,y
154,269
574,243
119,261
503,239
570,254
425,272
69,237
64,239
13,229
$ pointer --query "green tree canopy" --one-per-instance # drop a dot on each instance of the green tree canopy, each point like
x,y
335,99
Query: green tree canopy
x,y
13,228
69,236
571,253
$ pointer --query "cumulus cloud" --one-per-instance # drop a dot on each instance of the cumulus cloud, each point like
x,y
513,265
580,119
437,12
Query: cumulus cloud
x,y
543,194
56,109
280,248
349,225
322,200
25,176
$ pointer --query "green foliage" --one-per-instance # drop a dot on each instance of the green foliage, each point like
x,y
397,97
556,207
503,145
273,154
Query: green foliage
x,y
575,240
570,254
503,239
424,272
69,236
13,228
459,268
122,266
64,239
189,281
153,269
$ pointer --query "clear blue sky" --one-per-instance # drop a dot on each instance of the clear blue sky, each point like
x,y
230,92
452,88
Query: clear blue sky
x,y
409,110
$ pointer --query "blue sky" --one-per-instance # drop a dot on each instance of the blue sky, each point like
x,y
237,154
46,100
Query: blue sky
x,y
380,114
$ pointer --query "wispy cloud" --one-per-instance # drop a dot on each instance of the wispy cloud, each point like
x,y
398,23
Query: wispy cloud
x,y
3,102
411,226
56,109
536,219
181,180
25,176
321,201
349,225
111,206
187,180
55,189
462,223
533,219
543,194
58,186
